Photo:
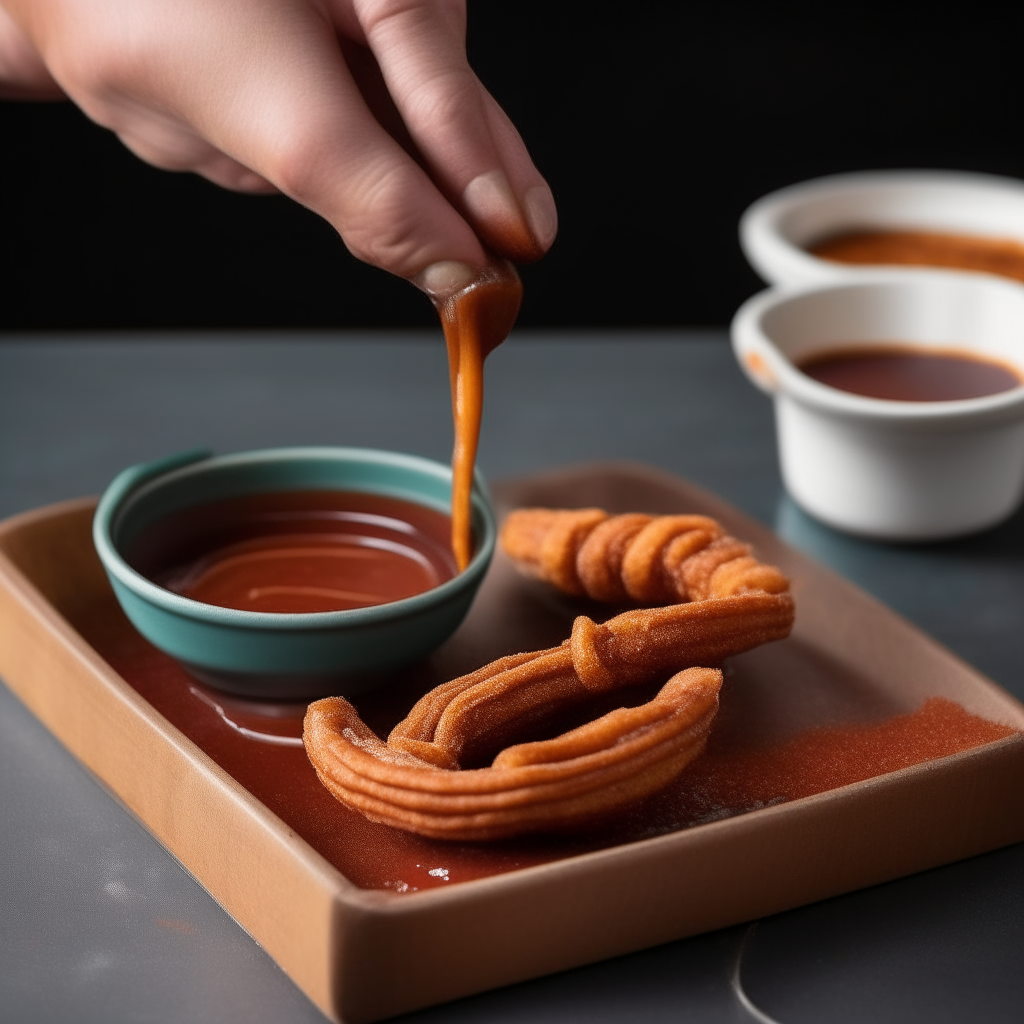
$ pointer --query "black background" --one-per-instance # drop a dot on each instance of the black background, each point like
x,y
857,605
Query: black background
x,y
656,124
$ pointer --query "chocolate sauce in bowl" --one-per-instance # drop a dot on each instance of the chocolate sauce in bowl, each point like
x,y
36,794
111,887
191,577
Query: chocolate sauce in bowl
x,y
299,551
908,373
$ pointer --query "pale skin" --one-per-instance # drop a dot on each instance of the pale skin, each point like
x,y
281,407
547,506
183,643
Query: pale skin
x,y
323,100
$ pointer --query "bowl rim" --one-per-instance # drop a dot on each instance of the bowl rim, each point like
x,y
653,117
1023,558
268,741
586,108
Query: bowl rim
x,y
136,479
766,211
784,378
765,244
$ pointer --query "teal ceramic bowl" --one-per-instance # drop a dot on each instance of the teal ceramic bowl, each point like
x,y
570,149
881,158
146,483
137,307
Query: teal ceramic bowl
x,y
273,655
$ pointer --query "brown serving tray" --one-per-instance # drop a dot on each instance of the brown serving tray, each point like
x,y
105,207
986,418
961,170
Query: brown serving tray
x,y
496,915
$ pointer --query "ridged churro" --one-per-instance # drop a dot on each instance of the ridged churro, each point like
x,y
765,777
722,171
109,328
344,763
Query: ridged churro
x,y
635,557
415,781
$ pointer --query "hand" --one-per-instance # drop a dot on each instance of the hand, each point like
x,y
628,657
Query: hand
x,y
365,111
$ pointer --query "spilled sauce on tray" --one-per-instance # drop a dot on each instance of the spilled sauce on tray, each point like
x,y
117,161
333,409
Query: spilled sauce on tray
x,y
909,373
260,746
298,551
1002,256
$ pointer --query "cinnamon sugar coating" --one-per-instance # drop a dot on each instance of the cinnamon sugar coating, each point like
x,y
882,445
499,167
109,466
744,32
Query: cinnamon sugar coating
x,y
648,559
415,782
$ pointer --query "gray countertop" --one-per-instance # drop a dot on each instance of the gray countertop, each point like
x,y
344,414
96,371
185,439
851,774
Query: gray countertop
x,y
99,923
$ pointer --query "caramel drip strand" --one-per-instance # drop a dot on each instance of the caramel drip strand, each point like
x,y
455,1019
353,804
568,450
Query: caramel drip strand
x,y
467,410
634,557
414,781
476,319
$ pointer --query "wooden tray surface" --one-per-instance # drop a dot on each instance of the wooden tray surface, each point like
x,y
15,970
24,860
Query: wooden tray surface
x,y
338,900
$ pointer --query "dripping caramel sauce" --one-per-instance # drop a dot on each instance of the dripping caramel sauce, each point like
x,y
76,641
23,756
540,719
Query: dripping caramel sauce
x,y
476,320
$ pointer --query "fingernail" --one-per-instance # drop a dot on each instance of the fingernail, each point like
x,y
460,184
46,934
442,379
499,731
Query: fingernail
x,y
444,278
490,198
542,214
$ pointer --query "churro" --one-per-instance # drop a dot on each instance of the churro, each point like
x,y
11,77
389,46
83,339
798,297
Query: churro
x,y
415,780
635,557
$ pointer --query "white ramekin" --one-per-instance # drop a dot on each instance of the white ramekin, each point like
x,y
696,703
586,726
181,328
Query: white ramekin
x,y
775,229
883,469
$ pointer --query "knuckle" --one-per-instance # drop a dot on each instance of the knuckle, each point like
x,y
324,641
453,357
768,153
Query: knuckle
x,y
382,228
375,13
442,99
168,147
297,161
394,249
370,206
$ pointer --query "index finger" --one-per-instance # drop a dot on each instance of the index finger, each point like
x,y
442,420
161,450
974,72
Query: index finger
x,y
471,149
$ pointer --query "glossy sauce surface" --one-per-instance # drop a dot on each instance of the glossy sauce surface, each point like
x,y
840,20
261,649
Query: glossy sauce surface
x,y
301,551
906,373
259,745
1001,256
